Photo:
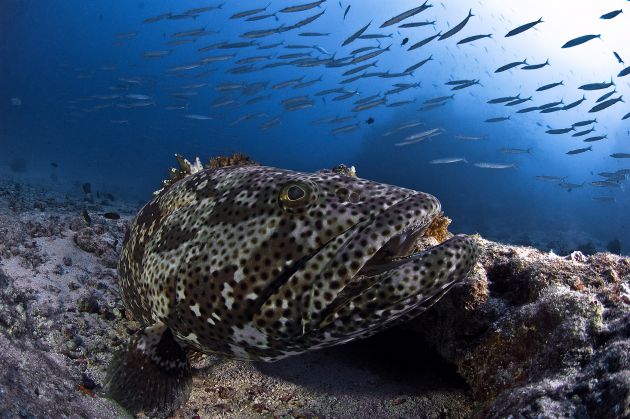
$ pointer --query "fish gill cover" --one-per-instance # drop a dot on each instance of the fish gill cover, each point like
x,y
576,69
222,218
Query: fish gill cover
x,y
513,113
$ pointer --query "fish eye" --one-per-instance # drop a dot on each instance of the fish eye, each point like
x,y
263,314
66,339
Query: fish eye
x,y
296,195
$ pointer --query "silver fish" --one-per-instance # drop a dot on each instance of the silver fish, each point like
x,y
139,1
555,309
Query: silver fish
x,y
448,160
490,165
580,150
523,28
407,14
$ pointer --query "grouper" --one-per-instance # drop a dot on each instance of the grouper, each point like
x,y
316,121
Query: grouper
x,y
259,263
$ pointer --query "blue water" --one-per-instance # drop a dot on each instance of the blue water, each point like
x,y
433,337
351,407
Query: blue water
x,y
58,58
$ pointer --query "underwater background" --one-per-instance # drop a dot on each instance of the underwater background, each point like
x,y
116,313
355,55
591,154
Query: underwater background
x,y
107,93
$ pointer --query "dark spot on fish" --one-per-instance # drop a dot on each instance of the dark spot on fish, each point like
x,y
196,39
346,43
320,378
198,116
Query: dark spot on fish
x,y
112,215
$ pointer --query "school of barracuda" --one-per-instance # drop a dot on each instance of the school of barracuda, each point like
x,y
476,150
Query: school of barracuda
x,y
281,35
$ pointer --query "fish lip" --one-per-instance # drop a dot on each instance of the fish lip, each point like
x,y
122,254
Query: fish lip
x,y
400,247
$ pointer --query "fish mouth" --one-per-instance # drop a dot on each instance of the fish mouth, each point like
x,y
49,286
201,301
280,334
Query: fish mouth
x,y
398,231
398,250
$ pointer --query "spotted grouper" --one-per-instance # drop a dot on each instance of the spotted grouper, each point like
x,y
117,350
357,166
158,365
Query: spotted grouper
x,y
258,263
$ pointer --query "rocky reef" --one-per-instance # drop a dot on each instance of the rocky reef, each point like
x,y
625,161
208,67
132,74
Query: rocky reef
x,y
528,334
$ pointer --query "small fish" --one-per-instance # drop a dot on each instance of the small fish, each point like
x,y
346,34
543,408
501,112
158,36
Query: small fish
x,y
605,184
605,104
418,65
473,38
376,36
498,119
560,130
423,42
416,24
261,33
355,35
370,120
345,129
157,18
156,54
535,66
551,110
138,97
574,104
584,123
606,96
465,85
469,137
596,138
198,117
247,13
546,178
405,15
624,72
518,101
620,155
530,109
363,49
193,32
507,150
597,86
619,60
302,7
305,21
421,136
438,99
489,165
369,105
400,103
370,55
457,27
523,28
448,160
570,186
582,133
262,17
404,41
314,34
233,45
287,83
580,40
550,105
346,12
550,86
510,65
457,82
203,9
580,150
502,99
611,15
626,116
